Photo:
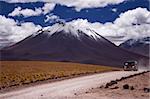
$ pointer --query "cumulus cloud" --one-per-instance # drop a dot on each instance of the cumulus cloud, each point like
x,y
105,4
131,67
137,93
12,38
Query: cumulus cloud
x,y
48,7
12,32
81,4
77,4
51,18
137,16
25,12
30,12
114,10
131,24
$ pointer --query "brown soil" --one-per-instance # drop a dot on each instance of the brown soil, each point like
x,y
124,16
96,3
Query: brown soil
x,y
117,91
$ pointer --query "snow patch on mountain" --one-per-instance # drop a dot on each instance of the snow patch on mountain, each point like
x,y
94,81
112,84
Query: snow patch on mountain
x,y
68,28
131,42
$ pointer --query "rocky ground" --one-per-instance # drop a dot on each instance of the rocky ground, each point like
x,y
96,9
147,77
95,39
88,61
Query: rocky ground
x,y
133,87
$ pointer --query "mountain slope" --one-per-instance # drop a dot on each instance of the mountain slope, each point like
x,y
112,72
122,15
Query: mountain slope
x,y
140,46
64,42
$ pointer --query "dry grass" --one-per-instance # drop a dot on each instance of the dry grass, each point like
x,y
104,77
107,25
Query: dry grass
x,y
15,73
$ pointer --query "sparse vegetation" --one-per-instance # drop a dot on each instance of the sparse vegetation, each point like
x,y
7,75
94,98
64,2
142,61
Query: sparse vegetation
x,y
14,73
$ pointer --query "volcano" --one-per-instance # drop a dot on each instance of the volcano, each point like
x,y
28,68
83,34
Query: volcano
x,y
68,43
140,46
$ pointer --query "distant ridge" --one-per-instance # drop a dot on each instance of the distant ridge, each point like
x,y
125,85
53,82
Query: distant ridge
x,y
140,46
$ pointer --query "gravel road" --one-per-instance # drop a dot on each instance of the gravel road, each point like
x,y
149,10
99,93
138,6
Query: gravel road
x,y
66,89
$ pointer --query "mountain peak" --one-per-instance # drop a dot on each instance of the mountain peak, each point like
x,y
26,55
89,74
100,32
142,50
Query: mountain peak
x,y
70,29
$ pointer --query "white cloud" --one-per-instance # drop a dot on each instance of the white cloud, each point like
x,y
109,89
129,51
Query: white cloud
x,y
11,32
136,16
48,7
78,4
131,24
25,12
81,4
30,12
114,9
51,18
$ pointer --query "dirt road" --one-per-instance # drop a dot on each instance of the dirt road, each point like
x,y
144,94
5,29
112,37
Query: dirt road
x,y
66,89
138,88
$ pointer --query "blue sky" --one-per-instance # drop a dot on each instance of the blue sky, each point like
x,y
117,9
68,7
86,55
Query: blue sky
x,y
100,14
106,15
